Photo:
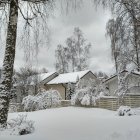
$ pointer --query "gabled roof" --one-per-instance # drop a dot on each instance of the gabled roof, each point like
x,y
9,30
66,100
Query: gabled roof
x,y
40,77
68,77
43,76
115,76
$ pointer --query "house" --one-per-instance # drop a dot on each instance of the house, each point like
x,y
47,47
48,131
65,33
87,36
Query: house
x,y
52,80
132,81
62,82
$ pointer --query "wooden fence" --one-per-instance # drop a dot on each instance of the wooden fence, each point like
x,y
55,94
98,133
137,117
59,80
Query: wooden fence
x,y
65,103
132,100
113,103
110,103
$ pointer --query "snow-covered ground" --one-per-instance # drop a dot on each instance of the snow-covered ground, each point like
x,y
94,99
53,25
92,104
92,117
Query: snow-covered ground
x,y
73,123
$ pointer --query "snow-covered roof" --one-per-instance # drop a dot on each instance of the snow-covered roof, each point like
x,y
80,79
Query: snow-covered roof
x,y
68,77
40,77
43,76
115,75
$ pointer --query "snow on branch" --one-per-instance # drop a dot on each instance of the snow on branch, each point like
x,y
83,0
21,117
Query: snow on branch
x,y
20,125
87,93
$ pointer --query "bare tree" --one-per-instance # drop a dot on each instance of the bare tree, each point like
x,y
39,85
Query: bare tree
x,y
129,12
23,81
75,55
61,59
29,10
115,33
79,49
8,61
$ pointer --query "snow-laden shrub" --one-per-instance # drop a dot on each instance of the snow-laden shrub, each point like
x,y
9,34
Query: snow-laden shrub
x,y
49,98
94,100
43,100
20,125
86,93
85,100
28,103
125,111
78,96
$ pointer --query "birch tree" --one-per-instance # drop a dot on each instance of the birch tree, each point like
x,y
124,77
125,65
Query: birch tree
x,y
75,56
129,13
80,49
125,35
29,10
61,54
8,61
13,9
116,36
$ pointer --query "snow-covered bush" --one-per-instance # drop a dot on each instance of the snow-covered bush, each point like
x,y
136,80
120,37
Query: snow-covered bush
x,y
20,125
85,100
86,93
44,99
49,98
125,111
28,103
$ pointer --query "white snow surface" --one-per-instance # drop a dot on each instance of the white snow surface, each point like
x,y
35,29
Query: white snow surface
x,y
75,123
68,77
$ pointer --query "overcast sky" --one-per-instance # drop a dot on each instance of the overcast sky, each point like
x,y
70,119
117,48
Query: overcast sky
x,y
92,22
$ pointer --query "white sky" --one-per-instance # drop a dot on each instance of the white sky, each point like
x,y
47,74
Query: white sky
x,y
92,22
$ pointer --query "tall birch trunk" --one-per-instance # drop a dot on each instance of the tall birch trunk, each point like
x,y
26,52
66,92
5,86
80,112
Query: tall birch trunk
x,y
136,43
8,62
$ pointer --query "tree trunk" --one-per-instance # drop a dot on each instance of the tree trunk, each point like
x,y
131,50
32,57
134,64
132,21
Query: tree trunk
x,y
136,37
8,63
136,45
116,63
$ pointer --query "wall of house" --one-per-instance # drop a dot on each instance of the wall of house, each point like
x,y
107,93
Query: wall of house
x,y
59,87
62,88
89,76
132,81
113,85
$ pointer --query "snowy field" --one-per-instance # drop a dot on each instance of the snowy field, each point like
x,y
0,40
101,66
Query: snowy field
x,y
73,123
